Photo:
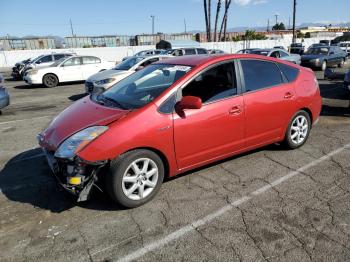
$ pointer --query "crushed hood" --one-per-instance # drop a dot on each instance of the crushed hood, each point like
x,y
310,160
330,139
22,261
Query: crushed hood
x,y
80,115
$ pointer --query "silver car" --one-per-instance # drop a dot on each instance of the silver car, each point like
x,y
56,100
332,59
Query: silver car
x,y
278,53
4,95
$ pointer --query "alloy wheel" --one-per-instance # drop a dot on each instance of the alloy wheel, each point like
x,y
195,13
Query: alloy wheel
x,y
140,179
299,129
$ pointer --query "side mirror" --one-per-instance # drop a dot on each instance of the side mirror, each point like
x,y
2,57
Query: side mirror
x,y
140,68
188,102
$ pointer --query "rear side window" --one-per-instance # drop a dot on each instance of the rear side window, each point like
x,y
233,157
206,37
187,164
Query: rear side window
x,y
90,60
289,72
260,74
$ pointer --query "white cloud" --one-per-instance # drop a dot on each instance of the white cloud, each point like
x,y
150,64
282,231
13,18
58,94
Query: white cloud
x,y
242,2
259,2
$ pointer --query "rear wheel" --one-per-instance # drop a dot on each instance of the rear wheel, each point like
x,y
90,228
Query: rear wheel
x,y
135,177
50,80
298,130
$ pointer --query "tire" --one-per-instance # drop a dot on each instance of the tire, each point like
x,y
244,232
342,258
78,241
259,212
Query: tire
x,y
50,80
124,181
324,65
341,63
296,131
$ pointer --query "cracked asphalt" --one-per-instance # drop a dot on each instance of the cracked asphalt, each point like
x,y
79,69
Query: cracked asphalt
x,y
305,218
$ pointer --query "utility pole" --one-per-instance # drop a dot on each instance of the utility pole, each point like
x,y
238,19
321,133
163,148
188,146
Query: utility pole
x,y
71,26
268,25
185,26
289,23
294,13
276,15
153,16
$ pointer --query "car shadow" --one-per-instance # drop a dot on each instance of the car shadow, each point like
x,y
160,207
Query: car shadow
x,y
77,97
26,178
335,111
27,86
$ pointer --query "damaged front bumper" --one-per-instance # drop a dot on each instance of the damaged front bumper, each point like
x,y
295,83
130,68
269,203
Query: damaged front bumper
x,y
77,177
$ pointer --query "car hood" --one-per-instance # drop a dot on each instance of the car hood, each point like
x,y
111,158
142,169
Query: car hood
x,y
310,57
80,115
107,73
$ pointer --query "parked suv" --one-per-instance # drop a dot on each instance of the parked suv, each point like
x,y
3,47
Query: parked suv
x,y
322,56
187,51
45,60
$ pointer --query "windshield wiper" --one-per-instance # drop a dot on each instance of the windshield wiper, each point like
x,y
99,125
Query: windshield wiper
x,y
109,100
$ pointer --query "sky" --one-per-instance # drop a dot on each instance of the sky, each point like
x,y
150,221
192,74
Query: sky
x,y
110,17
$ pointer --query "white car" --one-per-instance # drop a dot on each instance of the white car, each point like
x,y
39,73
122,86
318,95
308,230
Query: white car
x,y
103,80
44,60
76,68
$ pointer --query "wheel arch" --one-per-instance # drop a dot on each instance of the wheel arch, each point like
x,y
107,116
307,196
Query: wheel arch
x,y
309,112
160,154
50,73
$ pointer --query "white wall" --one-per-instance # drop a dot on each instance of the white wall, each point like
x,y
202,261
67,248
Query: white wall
x,y
9,58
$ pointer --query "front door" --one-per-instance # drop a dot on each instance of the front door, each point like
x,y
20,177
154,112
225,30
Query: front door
x,y
71,70
217,128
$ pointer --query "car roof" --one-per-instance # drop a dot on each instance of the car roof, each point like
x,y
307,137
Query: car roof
x,y
196,60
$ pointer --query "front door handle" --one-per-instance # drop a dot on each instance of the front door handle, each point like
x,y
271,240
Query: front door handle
x,y
288,95
236,110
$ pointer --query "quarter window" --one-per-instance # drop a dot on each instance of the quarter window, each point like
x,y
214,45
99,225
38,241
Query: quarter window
x,y
289,72
260,74
214,84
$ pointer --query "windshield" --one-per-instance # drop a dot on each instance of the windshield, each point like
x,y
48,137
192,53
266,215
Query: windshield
x,y
260,52
317,51
142,87
128,63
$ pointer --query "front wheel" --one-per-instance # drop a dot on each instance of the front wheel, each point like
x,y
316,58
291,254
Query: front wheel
x,y
135,177
50,80
341,64
298,130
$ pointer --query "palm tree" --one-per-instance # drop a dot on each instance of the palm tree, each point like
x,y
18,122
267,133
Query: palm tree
x,y
218,6
224,19
209,20
206,18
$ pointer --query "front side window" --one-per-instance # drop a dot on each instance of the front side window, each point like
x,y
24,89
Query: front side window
x,y
214,84
142,87
72,62
201,51
190,52
260,74
317,51
149,61
275,54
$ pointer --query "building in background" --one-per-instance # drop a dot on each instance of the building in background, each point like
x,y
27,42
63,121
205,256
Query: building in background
x,y
97,41
8,43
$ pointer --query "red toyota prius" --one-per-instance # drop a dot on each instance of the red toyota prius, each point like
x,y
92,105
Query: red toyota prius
x,y
176,115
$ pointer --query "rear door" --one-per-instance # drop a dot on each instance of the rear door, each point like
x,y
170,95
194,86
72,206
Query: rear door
x,y
91,65
269,101
217,128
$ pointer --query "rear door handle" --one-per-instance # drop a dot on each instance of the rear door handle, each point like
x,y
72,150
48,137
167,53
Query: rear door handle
x,y
288,95
236,110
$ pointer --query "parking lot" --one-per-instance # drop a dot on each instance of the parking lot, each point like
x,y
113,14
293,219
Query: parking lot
x,y
270,204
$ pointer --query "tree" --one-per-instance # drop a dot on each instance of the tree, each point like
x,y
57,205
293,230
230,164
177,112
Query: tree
x,y
224,19
206,18
218,6
279,26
